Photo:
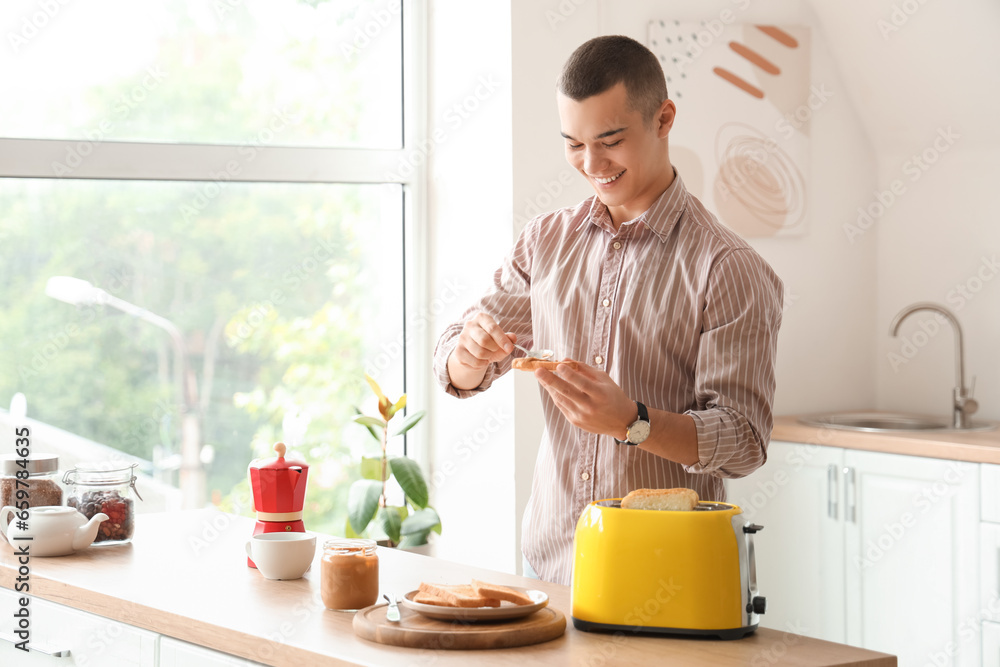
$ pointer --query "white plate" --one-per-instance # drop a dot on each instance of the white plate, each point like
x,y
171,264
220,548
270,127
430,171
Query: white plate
x,y
506,609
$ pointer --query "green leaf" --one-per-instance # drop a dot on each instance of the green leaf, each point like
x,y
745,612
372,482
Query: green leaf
x,y
407,473
410,422
390,522
375,434
371,467
362,503
414,539
397,406
348,531
374,422
420,521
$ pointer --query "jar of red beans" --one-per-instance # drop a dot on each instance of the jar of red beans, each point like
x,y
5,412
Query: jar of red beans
x,y
105,488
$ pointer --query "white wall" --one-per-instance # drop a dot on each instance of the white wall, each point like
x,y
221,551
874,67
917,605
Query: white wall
x,y
924,79
890,96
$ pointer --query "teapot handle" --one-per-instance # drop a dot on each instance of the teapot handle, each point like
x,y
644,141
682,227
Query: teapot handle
x,y
6,518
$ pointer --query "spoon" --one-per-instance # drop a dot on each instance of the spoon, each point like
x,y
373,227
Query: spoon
x,y
537,354
392,613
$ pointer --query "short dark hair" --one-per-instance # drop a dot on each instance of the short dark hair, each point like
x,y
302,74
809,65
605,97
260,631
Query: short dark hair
x,y
601,63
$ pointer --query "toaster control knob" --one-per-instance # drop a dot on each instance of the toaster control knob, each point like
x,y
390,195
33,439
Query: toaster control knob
x,y
759,604
752,528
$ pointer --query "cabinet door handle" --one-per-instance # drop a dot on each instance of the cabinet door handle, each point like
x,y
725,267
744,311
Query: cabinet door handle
x,y
37,649
850,496
831,491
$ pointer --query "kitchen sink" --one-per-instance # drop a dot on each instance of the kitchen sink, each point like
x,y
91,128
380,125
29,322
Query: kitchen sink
x,y
889,421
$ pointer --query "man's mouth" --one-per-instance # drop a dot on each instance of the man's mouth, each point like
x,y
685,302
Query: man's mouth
x,y
605,181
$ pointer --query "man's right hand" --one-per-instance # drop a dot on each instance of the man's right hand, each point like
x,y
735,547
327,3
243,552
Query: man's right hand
x,y
481,342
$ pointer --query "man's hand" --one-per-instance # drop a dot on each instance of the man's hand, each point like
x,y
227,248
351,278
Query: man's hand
x,y
589,399
481,342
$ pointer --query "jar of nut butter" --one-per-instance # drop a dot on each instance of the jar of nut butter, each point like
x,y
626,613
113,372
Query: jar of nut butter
x,y
349,574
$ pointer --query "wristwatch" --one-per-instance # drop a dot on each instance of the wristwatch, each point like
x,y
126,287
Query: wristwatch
x,y
638,431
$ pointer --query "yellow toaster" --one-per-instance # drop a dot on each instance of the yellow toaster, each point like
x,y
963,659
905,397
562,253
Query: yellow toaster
x,y
665,572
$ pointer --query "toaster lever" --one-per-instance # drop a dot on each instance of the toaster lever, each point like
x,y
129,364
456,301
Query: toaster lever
x,y
759,604
752,528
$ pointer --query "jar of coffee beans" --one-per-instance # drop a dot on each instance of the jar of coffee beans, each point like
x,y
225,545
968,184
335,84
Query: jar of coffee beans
x,y
105,488
33,479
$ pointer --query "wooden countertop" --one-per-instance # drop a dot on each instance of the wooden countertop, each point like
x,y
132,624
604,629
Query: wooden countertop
x,y
972,446
185,576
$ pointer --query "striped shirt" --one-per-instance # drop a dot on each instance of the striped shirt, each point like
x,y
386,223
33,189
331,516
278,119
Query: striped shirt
x,y
677,309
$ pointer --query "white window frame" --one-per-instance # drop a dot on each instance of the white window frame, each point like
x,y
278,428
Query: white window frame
x,y
116,160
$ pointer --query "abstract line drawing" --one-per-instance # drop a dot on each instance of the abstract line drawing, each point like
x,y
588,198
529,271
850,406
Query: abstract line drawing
x,y
740,140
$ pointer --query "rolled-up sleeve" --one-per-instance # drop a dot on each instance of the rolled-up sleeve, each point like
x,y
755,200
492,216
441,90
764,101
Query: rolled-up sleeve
x,y
734,384
507,301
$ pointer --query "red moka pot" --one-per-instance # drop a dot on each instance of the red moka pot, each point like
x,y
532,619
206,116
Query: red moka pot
x,y
279,493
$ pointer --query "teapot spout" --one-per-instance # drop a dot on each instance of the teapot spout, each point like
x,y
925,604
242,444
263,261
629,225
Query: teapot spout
x,y
85,534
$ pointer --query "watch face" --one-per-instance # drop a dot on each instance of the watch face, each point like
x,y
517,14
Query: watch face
x,y
638,432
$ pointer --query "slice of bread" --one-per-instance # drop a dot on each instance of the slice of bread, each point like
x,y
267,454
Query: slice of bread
x,y
661,499
461,595
533,363
428,598
500,592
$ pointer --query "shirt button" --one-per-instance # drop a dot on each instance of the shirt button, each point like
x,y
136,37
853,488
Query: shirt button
x,y
598,359
617,245
606,302
585,476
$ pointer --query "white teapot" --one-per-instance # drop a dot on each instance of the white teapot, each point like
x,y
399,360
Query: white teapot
x,y
54,530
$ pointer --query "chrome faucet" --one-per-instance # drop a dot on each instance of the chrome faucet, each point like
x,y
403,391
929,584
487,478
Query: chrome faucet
x,y
963,405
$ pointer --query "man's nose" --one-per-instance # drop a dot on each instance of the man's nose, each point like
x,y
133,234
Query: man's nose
x,y
593,161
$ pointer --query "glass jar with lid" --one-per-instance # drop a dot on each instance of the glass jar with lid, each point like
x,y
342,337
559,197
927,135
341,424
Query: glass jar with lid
x,y
35,476
349,574
105,488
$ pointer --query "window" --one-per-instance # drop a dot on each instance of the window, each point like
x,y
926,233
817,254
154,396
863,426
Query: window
x,y
233,177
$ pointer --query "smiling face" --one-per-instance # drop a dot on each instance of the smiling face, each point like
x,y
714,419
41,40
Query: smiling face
x,y
624,159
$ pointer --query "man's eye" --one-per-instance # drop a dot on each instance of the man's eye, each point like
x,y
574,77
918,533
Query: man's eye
x,y
576,147
614,144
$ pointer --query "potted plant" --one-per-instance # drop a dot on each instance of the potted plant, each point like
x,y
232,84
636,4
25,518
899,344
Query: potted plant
x,y
368,508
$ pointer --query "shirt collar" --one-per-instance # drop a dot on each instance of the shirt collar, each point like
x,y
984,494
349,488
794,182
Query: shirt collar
x,y
660,218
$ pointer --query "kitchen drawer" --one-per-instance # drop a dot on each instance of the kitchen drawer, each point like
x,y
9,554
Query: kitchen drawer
x,y
989,486
175,653
75,638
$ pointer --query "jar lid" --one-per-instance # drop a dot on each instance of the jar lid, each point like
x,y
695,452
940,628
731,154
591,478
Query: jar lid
x,y
349,545
35,464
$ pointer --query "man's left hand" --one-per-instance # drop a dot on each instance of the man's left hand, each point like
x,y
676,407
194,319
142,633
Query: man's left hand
x,y
589,399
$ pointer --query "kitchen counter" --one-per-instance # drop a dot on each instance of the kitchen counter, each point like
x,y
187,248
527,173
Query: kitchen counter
x,y
185,576
972,446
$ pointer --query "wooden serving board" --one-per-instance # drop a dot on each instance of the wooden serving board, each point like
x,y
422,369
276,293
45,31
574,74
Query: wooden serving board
x,y
416,631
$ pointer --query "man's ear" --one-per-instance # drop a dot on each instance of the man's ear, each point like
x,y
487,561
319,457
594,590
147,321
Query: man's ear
x,y
665,118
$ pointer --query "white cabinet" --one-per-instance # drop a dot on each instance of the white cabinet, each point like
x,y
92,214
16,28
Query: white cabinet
x,y
875,550
68,637
800,553
175,653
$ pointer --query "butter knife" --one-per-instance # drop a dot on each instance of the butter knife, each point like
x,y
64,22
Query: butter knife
x,y
392,613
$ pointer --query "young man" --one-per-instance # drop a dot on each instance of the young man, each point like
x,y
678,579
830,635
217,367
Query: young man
x,y
674,316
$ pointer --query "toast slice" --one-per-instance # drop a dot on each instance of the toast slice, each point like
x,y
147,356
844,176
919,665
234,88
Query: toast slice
x,y
500,592
661,499
430,598
461,595
532,363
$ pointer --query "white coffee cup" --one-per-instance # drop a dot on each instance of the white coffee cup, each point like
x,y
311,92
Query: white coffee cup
x,y
282,555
